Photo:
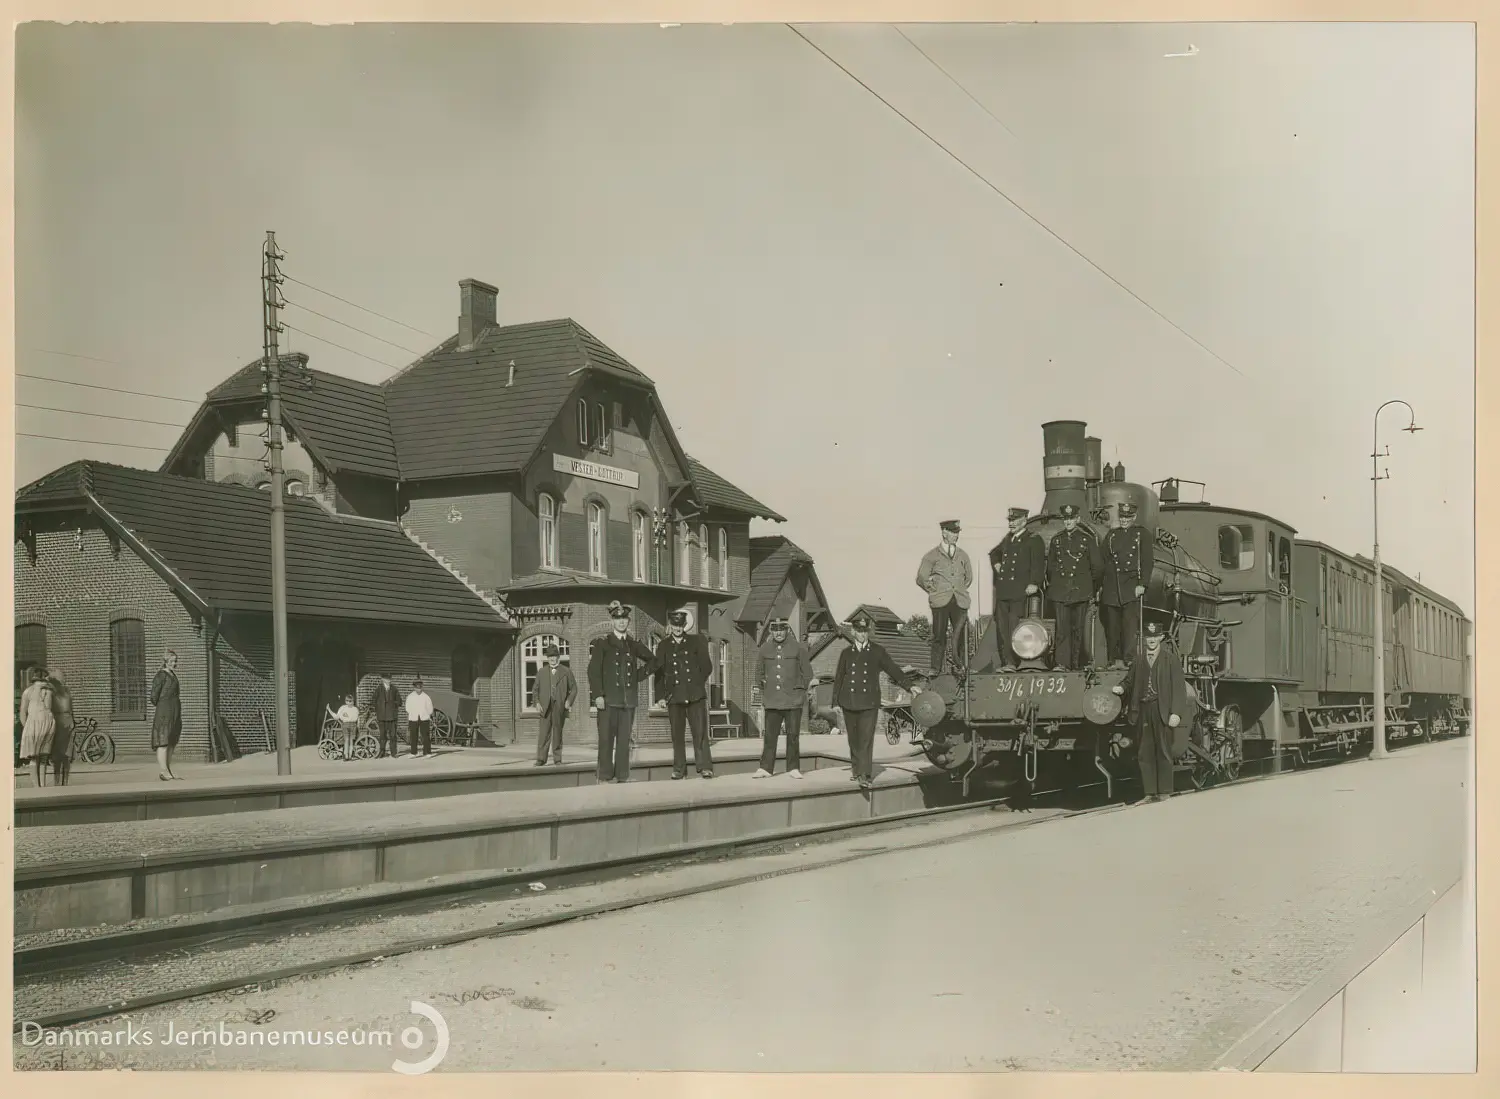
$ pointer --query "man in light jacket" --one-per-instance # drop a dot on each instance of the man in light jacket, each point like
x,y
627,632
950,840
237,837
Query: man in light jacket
x,y
782,672
946,574
555,691
419,720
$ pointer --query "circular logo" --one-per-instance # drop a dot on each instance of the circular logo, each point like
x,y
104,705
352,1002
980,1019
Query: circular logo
x,y
1101,705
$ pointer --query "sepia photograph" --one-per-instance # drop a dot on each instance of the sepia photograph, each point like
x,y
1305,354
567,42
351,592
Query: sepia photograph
x,y
1001,496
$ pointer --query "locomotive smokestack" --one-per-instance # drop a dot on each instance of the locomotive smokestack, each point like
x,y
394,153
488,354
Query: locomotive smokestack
x,y
1094,460
1064,464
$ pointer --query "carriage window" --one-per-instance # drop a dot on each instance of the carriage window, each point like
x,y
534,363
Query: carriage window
x,y
1236,547
1271,554
1284,562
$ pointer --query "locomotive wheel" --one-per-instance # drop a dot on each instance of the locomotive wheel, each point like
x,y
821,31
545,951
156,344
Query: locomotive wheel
x,y
1229,744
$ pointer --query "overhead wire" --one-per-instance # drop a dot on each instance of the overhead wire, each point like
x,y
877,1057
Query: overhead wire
x,y
1028,214
341,347
99,442
107,388
100,415
346,324
361,308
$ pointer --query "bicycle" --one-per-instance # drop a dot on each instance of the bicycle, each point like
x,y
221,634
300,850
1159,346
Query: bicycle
x,y
90,743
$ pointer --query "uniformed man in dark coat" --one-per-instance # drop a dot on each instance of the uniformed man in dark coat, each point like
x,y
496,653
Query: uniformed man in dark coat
x,y
856,691
617,664
1020,566
782,672
1128,560
682,670
387,706
1156,705
1073,570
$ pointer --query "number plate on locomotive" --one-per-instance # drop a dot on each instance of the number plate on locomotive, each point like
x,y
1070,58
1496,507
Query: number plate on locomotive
x,y
1007,696
1019,687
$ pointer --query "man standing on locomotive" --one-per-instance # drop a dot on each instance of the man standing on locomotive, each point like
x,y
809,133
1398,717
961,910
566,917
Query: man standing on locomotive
x,y
1020,565
856,691
1156,704
945,575
1128,560
1073,569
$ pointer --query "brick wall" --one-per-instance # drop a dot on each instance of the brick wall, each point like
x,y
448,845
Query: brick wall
x,y
75,589
472,529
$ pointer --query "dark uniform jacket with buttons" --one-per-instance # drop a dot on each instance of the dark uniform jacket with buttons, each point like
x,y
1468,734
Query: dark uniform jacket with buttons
x,y
1017,561
1073,566
782,672
615,669
1161,685
1128,559
387,703
856,680
682,669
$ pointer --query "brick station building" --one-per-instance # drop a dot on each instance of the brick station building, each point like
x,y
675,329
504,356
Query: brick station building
x,y
519,477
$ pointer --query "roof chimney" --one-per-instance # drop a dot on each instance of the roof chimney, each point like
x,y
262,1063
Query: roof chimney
x,y
476,310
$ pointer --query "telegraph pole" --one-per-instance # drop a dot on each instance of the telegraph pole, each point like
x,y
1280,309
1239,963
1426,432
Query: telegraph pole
x,y
1377,749
271,387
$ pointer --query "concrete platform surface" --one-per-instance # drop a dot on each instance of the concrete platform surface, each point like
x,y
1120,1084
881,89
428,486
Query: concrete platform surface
x,y
82,848
1152,937
450,772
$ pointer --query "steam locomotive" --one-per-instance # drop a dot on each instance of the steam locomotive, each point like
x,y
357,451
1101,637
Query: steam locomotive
x,y
1275,636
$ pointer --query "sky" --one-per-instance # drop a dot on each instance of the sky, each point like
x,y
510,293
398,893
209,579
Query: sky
x,y
1224,262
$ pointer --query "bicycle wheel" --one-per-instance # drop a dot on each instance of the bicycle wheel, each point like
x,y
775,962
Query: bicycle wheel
x,y
97,748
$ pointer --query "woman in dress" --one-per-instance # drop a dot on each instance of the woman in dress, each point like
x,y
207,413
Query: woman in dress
x,y
62,736
39,725
166,725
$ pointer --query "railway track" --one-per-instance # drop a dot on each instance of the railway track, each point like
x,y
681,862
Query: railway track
x,y
72,961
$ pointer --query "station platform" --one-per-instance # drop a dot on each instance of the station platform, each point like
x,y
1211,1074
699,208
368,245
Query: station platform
x,y
368,829
132,791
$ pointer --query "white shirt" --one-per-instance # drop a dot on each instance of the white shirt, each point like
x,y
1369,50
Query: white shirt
x,y
349,712
419,706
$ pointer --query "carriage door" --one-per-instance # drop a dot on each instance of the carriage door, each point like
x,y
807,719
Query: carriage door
x,y
1279,606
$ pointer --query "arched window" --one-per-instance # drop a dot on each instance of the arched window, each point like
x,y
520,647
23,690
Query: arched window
x,y
583,423
31,648
546,513
295,488
639,539
705,558
127,668
596,539
723,559
684,555
601,426
532,659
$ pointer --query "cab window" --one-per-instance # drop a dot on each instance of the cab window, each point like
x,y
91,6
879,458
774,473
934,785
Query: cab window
x,y
1236,547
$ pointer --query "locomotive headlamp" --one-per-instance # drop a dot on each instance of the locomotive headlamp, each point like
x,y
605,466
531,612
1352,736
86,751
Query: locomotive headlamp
x,y
1030,640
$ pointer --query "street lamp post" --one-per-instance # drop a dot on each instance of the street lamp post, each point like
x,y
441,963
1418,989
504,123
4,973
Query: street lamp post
x,y
1377,750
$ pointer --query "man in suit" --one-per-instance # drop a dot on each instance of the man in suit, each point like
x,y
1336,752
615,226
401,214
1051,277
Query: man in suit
x,y
945,575
1156,706
782,672
1020,566
1073,569
682,670
387,706
555,690
617,664
856,691
1128,560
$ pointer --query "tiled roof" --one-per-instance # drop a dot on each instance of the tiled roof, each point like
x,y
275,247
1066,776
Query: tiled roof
x,y
540,581
342,421
214,540
878,615
770,561
715,492
453,414
907,650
